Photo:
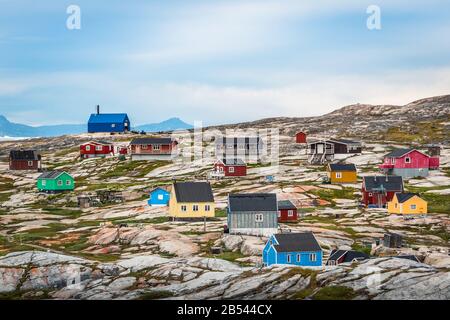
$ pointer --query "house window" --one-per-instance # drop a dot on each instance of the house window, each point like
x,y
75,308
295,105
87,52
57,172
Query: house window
x,y
393,160
407,160
312,257
44,183
60,182
68,183
298,258
183,208
99,148
290,213
195,207
259,217
113,125
144,146
338,175
370,194
413,207
156,147
160,197
88,148
207,207
396,205
289,258
279,214
30,163
231,169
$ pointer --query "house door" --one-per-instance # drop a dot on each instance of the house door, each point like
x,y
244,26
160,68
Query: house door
x,y
320,149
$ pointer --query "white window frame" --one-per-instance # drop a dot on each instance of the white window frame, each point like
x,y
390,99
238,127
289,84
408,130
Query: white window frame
x,y
113,125
144,146
259,217
30,163
393,160
338,175
99,148
59,183
407,160
312,257
289,258
207,207
279,213
413,207
183,208
299,257
88,148
195,207
290,213
231,169
68,182
370,194
156,147
160,197
44,182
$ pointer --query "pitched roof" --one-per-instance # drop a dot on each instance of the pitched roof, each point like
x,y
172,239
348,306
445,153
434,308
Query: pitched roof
x,y
151,141
402,197
193,192
349,255
252,202
98,142
294,242
285,205
24,155
398,153
108,118
387,183
345,141
342,167
50,175
159,188
233,162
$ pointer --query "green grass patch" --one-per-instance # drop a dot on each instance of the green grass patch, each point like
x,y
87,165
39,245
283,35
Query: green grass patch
x,y
331,194
137,169
335,293
221,213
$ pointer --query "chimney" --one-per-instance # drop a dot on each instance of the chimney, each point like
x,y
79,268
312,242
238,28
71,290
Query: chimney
x,y
98,109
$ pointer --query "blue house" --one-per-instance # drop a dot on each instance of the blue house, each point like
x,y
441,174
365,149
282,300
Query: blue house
x,y
159,197
300,249
108,122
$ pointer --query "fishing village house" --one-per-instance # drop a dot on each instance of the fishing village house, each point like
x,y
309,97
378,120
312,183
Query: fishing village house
x,y
345,256
326,150
378,190
252,214
287,212
408,163
152,148
299,249
408,204
191,200
94,149
55,181
108,122
230,168
342,173
300,137
159,197
24,160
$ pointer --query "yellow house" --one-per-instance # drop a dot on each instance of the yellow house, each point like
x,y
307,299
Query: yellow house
x,y
342,173
407,203
191,200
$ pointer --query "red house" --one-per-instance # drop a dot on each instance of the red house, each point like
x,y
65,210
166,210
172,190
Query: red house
x,y
24,160
287,212
300,137
231,167
378,190
408,163
93,149
152,148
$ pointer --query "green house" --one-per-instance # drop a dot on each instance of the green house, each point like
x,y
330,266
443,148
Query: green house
x,y
55,181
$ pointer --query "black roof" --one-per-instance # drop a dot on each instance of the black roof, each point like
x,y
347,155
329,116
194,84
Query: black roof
x,y
50,175
342,167
345,141
285,205
24,155
294,242
349,255
252,202
151,141
193,192
402,197
233,162
388,183
398,153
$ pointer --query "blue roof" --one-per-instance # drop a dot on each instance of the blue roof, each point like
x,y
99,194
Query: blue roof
x,y
108,118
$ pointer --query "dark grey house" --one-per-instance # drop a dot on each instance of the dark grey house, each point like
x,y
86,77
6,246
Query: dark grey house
x,y
247,148
253,214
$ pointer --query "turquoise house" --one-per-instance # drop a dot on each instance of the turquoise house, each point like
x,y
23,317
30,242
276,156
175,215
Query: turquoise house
x,y
299,249
159,197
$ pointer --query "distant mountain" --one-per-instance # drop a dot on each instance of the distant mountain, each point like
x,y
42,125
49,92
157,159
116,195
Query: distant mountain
x,y
11,129
171,124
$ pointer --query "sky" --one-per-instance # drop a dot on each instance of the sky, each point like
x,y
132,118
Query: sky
x,y
217,61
